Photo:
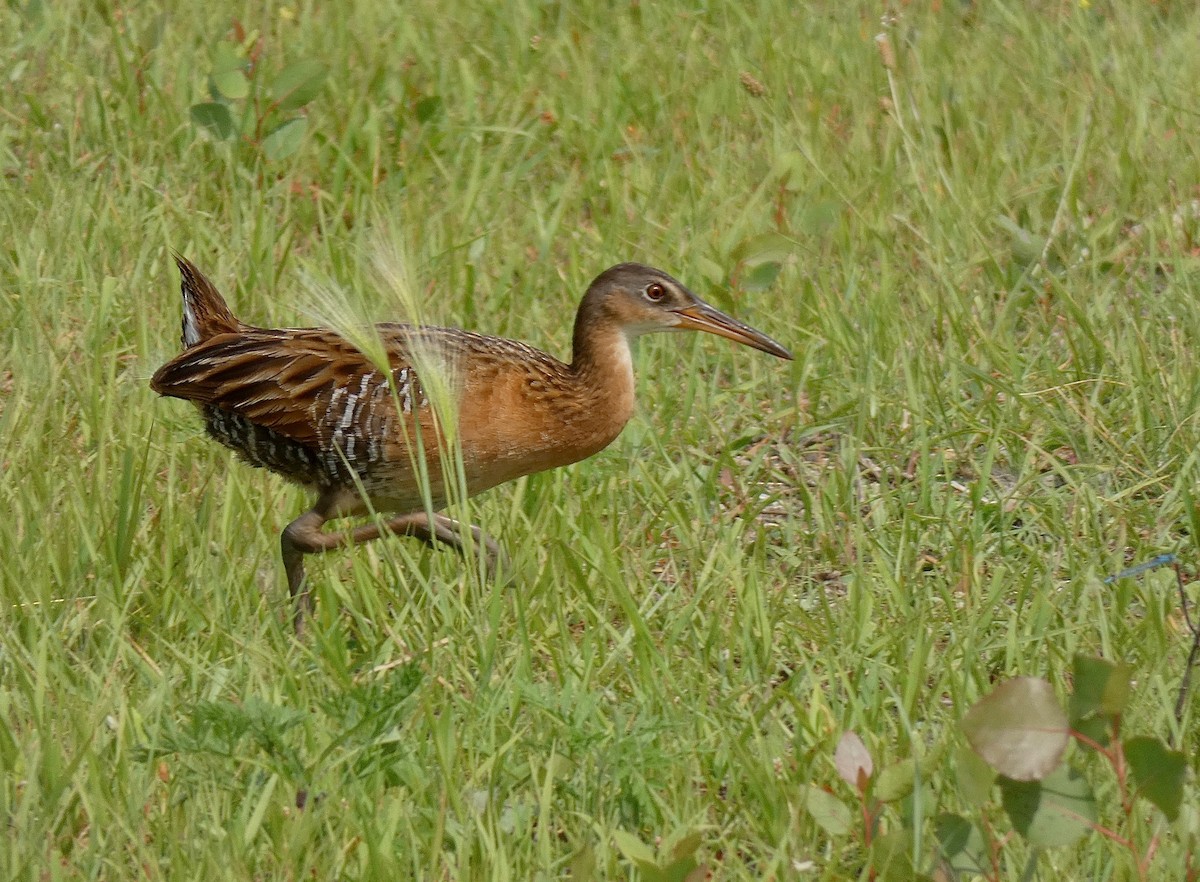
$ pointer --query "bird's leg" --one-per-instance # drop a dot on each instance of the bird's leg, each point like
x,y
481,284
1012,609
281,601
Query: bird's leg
x,y
305,535
448,531
302,536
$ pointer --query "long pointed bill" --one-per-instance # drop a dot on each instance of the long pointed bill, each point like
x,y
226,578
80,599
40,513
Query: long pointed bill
x,y
703,317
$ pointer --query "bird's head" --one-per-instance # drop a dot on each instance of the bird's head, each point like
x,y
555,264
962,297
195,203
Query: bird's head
x,y
640,299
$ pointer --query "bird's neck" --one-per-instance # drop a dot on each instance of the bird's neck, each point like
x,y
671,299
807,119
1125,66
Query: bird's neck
x,y
602,370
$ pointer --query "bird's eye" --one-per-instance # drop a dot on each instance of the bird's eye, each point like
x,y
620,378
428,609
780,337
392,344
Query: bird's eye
x,y
655,292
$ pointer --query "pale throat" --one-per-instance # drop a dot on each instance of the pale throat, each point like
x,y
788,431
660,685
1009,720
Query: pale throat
x,y
608,373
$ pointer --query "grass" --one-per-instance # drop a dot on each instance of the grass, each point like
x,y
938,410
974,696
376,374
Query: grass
x,y
989,273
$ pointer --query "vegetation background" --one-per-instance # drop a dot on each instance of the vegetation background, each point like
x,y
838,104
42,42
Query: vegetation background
x,y
980,233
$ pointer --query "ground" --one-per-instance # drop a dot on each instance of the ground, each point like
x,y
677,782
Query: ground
x,y
977,225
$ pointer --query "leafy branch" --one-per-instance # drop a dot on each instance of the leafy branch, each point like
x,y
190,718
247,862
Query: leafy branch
x,y
248,106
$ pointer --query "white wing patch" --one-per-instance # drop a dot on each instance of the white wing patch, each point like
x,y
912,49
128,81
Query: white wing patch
x,y
191,330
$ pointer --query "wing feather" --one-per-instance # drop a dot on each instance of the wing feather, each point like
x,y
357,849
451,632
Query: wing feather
x,y
282,382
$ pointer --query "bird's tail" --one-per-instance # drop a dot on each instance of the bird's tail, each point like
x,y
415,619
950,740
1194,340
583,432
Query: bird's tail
x,y
205,313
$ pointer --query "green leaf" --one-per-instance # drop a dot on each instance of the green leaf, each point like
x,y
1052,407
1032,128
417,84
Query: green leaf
x,y
712,271
33,12
896,781
1159,773
917,806
818,217
830,813
679,869
961,844
1054,811
231,84
973,776
791,168
853,761
763,248
1117,691
226,57
427,108
1026,247
1094,728
260,810
152,34
891,857
297,84
214,118
1100,687
687,846
285,139
761,277
582,867
1019,729
633,848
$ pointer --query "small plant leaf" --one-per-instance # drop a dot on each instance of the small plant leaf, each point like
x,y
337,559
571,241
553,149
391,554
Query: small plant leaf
x,y
891,857
1159,773
427,108
853,761
231,84
1026,247
297,84
896,781
791,168
687,846
1019,729
582,866
763,248
152,35
761,277
961,844
1117,691
973,776
713,272
1054,811
32,12
830,813
634,849
1101,687
260,810
917,805
226,57
285,139
679,869
1091,730
817,218
214,118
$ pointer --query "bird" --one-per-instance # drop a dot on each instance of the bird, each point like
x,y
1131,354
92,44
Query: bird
x,y
363,433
